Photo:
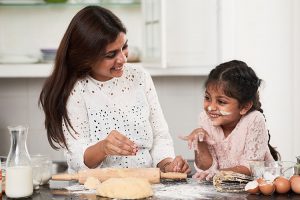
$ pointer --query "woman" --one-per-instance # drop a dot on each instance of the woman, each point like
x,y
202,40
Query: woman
x,y
104,114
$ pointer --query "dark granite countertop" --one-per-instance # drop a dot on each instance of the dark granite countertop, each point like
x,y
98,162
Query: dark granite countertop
x,y
190,189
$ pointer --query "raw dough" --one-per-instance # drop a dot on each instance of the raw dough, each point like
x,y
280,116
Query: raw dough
x,y
91,183
125,188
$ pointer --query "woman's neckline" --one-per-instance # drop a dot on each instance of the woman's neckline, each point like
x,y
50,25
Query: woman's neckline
x,y
101,82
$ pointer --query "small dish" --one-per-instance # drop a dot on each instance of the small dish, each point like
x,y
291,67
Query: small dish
x,y
48,54
271,169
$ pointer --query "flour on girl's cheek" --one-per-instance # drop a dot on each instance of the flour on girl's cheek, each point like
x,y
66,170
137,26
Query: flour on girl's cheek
x,y
224,113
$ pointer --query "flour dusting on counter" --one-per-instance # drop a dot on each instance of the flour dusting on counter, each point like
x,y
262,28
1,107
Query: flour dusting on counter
x,y
172,190
192,189
179,191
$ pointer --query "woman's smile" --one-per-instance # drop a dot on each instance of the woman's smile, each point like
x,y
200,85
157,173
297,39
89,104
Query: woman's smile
x,y
117,69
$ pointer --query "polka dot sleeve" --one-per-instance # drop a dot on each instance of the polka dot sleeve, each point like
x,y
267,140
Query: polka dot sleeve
x,y
162,142
77,141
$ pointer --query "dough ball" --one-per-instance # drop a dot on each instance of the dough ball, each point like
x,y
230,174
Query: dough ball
x,y
125,188
91,183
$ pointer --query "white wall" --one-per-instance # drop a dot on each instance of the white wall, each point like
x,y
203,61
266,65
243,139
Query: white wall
x,y
264,34
296,77
19,106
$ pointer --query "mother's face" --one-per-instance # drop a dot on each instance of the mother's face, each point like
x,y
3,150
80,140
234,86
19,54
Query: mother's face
x,y
112,64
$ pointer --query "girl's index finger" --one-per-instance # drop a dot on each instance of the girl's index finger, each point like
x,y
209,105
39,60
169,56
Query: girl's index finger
x,y
184,137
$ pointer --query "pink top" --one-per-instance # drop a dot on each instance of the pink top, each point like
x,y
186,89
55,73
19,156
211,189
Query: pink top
x,y
248,141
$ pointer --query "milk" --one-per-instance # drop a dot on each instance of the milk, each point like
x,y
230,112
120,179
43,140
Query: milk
x,y
19,181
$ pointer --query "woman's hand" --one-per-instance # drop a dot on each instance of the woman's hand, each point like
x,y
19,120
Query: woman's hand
x,y
178,164
198,135
114,144
118,144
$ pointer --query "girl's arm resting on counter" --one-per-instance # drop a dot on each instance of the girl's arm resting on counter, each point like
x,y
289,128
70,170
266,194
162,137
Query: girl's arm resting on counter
x,y
203,157
238,169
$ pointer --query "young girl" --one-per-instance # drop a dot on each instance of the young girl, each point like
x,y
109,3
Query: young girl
x,y
101,111
232,127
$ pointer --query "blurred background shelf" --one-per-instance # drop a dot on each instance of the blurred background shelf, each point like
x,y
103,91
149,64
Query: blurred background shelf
x,y
42,70
129,3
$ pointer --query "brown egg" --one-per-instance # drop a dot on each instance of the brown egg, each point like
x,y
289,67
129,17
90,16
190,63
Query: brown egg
x,y
252,187
295,184
267,188
282,185
292,177
260,181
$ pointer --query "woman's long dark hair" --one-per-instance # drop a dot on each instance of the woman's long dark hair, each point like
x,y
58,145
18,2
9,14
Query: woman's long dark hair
x,y
240,82
82,45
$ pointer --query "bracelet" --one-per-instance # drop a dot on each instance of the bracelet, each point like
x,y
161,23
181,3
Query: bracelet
x,y
165,165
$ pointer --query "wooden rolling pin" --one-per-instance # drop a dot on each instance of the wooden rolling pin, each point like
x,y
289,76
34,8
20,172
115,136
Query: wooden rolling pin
x,y
152,174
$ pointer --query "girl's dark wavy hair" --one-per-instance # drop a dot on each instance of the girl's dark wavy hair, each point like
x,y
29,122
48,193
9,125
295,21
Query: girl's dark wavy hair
x,y
82,45
240,82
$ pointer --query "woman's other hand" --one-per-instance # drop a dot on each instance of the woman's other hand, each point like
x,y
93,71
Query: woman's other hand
x,y
118,144
178,164
198,135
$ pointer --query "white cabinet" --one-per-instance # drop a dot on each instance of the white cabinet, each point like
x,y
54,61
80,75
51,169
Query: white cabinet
x,y
176,37
154,40
181,33
31,25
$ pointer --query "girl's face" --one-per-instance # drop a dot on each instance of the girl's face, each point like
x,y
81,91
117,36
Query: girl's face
x,y
222,110
112,64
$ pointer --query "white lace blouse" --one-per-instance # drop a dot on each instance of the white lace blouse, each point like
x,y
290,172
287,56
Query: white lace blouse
x,y
128,104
